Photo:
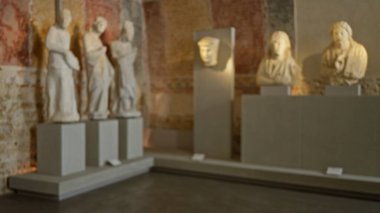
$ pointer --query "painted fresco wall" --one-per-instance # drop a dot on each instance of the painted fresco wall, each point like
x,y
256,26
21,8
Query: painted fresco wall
x,y
15,136
14,19
170,27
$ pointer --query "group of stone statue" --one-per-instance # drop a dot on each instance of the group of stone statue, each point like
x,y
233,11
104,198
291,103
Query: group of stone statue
x,y
103,81
344,62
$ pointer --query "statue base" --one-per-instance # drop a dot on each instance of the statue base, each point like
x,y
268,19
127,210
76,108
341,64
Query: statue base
x,y
129,114
131,138
275,90
355,90
61,148
101,142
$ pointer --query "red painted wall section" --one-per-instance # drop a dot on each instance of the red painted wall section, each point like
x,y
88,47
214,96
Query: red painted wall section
x,y
110,10
156,38
249,24
14,17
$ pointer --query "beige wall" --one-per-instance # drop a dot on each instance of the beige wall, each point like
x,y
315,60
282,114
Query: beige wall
x,y
313,20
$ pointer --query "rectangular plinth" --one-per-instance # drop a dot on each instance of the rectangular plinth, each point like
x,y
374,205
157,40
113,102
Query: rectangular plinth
x,y
276,90
60,148
355,90
313,133
213,96
131,138
315,181
102,142
54,187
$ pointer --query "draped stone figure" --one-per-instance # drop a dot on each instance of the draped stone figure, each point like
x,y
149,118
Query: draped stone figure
x,y
122,50
100,72
278,67
344,62
61,100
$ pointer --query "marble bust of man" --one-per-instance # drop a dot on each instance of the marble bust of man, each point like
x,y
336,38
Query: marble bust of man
x,y
122,50
208,50
344,62
278,67
100,72
60,89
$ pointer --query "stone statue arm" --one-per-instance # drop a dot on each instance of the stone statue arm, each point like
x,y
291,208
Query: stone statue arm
x,y
115,50
72,61
91,51
262,80
96,53
364,64
52,45
134,52
328,68
296,73
358,71
120,52
261,76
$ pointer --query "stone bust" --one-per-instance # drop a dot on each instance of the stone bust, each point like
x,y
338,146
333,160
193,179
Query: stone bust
x,y
344,62
100,72
208,50
278,67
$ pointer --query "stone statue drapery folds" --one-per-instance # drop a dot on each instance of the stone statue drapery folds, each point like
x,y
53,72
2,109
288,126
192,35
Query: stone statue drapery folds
x,y
122,50
344,62
61,99
100,72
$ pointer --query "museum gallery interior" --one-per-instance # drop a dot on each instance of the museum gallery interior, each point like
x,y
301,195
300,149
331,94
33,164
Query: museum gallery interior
x,y
189,106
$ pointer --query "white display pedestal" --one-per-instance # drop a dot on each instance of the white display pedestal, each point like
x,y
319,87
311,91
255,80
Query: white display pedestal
x,y
60,148
355,90
60,188
131,138
213,97
101,142
275,90
312,133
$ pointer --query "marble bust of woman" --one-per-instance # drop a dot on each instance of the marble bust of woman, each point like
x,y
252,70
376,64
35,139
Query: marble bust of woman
x,y
278,67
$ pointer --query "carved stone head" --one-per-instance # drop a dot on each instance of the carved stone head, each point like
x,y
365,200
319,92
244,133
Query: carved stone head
x,y
66,18
341,34
280,46
100,24
127,31
208,50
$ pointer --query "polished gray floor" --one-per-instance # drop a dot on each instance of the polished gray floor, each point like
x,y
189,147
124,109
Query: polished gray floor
x,y
158,192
